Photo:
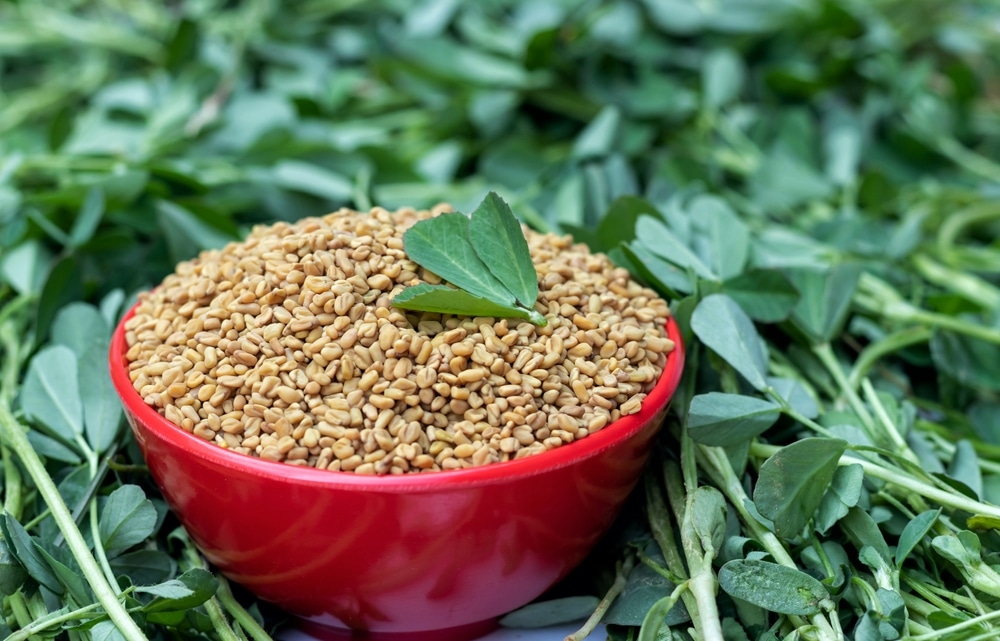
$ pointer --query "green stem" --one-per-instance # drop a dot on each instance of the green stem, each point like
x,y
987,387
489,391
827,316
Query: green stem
x,y
957,325
954,501
703,585
219,622
966,285
902,449
13,434
621,577
717,465
958,627
653,620
239,613
874,352
40,625
955,223
12,488
825,354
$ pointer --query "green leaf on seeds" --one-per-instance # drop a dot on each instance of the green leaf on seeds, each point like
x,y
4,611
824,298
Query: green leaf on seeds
x,y
720,324
487,259
51,393
441,245
497,239
127,518
541,614
774,587
792,481
444,300
721,419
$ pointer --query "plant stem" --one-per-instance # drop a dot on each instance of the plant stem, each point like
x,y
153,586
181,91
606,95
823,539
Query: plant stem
x,y
874,352
239,613
12,433
716,464
954,501
621,577
825,354
12,494
41,625
219,622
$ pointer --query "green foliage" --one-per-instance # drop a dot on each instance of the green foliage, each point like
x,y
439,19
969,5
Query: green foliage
x,y
811,183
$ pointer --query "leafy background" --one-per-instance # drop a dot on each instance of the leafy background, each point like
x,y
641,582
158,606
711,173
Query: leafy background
x,y
818,174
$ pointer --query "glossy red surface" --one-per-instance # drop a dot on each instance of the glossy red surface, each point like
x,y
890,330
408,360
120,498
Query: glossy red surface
x,y
400,554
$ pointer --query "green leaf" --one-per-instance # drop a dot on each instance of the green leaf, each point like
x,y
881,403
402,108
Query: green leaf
x,y
826,299
724,420
143,567
106,631
448,300
643,589
722,76
766,295
173,589
728,236
79,326
617,226
843,494
721,325
796,395
862,530
312,179
600,136
102,410
186,233
50,393
72,580
22,546
88,219
792,481
708,518
202,586
774,587
553,612
914,533
12,574
496,237
127,518
657,238
666,278
964,467
971,361
441,245
25,267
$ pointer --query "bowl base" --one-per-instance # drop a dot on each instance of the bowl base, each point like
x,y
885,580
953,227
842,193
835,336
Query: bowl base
x,y
467,632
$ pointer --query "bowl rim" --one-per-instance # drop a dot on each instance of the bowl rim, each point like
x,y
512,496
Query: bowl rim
x,y
493,473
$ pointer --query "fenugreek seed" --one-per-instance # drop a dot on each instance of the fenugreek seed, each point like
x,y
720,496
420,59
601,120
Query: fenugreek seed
x,y
464,451
630,406
288,394
509,445
232,382
580,390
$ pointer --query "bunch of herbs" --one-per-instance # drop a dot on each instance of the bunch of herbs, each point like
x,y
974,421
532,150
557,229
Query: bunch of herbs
x,y
810,182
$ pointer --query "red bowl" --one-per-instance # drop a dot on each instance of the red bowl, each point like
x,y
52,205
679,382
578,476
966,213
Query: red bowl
x,y
436,555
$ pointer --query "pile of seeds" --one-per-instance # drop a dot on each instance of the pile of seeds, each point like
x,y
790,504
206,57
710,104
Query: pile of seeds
x,y
286,347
